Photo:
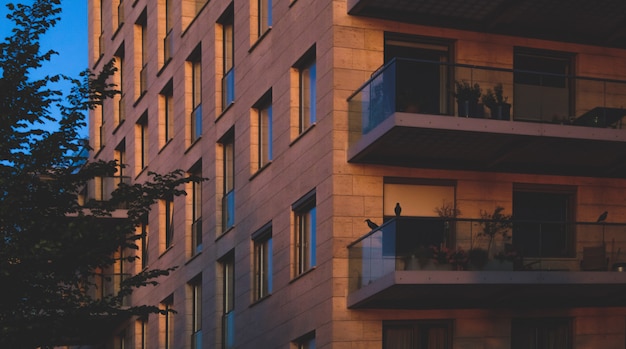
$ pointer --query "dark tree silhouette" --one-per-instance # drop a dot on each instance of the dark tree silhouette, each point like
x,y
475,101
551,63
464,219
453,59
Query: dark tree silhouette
x,y
53,249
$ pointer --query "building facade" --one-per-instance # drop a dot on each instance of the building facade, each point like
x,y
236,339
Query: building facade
x,y
310,116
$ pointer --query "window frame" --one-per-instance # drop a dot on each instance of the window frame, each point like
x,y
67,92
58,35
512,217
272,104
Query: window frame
x,y
195,287
541,327
228,179
305,233
228,299
417,329
307,92
263,262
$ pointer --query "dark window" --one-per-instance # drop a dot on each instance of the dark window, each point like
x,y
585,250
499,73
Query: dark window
x,y
417,335
542,333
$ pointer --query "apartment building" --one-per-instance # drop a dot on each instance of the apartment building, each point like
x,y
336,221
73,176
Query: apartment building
x,y
310,116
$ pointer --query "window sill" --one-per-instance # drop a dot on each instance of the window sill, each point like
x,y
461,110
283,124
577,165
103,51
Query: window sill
x,y
117,30
195,256
117,127
95,156
308,129
144,169
143,93
165,65
165,145
196,141
260,300
260,38
261,169
219,237
300,276
166,251
224,111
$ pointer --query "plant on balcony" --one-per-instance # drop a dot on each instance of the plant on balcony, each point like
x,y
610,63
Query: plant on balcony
x,y
497,103
495,226
478,257
458,258
467,96
440,255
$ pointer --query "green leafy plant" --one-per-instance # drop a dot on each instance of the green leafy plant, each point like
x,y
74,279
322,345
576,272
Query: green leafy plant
x,y
495,97
465,91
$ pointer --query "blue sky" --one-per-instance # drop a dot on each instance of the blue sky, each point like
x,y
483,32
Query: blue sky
x,y
68,37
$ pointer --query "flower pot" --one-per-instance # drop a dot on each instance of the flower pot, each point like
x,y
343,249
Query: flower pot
x,y
501,111
469,109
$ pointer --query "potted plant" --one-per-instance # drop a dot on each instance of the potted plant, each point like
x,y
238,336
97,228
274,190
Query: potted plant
x,y
495,225
497,103
478,258
467,96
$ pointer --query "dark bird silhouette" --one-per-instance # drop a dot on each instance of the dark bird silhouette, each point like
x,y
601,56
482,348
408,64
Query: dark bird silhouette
x,y
371,224
602,217
397,209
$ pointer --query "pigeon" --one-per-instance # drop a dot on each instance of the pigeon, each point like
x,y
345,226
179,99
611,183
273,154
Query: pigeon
x,y
603,216
371,224
397,209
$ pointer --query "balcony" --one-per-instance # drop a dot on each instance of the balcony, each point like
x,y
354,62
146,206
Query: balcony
x,y
404,264
586,22
561,125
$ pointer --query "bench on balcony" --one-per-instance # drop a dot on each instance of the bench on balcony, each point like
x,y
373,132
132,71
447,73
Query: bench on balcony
x,y
601,117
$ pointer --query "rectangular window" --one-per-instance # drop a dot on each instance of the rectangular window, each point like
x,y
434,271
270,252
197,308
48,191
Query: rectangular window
x,y
120,158
101,129
168,41
228,200
121,341
228,303
167,323
307,93
263,262
543,221
541,333
142,32
144,242
305,233
196,313
228,58
118,78
265,15
120,13
542,89
166,122
264,122
306,341
141,333
168,206
196,213
142,143
417,334
196,100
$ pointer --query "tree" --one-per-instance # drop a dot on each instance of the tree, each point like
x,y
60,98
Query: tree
x,y
52,249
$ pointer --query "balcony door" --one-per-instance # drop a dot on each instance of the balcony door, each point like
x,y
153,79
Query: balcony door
x,y
423,75
542,87
543,220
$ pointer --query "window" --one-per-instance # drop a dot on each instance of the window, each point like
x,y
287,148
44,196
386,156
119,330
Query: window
x,y
142,48
423,78
228,199
305,233
141,333
264,123
542,88
101,39
228,302
543,217
120,12
307,91
228,57
417,334
541,333
196,211
101,129
144,242
196,313
166,113
196,100
118,79
121,341
265,16
120,158
306,342
263,262
168,209
168,41
166,322
142,143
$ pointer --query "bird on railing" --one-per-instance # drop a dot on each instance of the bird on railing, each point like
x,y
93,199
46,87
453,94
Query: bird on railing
x,y
371,224
602,217
397,209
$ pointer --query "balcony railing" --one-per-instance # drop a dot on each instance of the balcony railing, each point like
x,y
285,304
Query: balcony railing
x,y
462,245
405,85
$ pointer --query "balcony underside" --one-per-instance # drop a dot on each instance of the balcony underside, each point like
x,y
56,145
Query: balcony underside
x,y
601,22
491,289
433,141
